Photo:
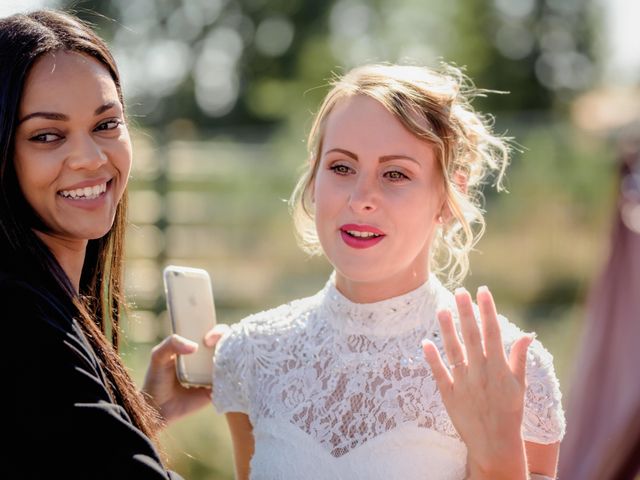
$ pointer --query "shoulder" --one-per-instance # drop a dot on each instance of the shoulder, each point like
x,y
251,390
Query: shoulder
x,y
47,320
264,328
34,302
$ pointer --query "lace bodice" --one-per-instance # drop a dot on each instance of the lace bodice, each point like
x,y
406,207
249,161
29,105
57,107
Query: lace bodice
x,y
336,389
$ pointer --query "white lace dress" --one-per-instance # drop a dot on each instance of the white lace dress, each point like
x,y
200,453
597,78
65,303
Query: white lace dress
x,y
339,390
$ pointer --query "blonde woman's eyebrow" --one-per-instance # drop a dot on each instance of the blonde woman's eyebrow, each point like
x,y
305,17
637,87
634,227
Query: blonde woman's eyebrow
x,y
388,158
384,158
342,151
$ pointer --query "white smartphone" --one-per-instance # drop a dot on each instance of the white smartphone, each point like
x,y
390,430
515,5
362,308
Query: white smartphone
x,y
192,313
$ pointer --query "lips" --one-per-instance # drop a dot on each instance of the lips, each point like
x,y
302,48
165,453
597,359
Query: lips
x,y
87,190
361,236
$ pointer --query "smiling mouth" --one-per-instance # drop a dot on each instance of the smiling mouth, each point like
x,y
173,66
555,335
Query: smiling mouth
x,y
357,234
86,193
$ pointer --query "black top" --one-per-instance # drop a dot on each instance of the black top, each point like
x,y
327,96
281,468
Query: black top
x,y
59,420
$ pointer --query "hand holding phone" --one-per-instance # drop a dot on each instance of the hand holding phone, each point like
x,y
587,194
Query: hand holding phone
x,y
192,313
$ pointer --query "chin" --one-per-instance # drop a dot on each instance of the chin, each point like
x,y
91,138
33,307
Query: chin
x,y
362,273
93,233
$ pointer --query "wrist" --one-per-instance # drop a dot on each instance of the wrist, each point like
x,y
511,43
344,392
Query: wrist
x,y
506,460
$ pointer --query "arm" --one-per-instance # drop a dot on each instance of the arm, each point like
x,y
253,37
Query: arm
x,y
161,384
66,421
243,442
542,459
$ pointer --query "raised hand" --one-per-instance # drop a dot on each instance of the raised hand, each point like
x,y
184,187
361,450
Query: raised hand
x,y
482,390
161,385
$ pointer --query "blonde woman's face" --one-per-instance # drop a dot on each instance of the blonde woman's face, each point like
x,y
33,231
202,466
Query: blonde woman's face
x,y
378,197
72,147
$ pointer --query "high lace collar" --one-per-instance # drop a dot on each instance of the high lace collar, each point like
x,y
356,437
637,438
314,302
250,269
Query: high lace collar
x,y
389,317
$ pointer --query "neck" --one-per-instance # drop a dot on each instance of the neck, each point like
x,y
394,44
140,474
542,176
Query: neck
x,y
370,291
69,254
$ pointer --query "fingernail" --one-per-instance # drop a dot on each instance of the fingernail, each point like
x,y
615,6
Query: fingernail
x,y
425,342
483,288
460,291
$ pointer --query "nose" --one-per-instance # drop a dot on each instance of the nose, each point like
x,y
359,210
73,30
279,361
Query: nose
x,y
364,196
86,153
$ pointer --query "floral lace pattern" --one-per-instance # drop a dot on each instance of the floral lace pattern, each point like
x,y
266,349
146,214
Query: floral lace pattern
x,y
346,373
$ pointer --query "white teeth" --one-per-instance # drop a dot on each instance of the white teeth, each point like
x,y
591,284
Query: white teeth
x,y
87,192
362,234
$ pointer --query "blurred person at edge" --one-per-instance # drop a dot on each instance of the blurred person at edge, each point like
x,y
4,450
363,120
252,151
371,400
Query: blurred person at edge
x,y
336,385
65,158
603,442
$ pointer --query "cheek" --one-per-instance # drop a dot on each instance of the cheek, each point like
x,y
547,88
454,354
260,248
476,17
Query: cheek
x,y
121,157
420,213
326,196
33,175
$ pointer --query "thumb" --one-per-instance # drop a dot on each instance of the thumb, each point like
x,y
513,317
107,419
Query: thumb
x,y
171,346
518,356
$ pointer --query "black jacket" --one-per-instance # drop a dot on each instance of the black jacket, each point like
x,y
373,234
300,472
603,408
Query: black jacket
x,y
59,419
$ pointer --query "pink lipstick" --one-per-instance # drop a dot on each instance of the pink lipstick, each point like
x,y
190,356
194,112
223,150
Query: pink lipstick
x,y
361,236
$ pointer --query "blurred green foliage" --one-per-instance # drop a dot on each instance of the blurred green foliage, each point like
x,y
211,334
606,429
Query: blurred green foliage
x,y
222,63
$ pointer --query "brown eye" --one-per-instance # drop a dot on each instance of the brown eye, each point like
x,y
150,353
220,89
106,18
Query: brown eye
x,y
45,138
109,125
340,169
396,175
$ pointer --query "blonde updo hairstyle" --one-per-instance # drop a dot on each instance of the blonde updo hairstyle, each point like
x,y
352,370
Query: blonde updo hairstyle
x,y
435,107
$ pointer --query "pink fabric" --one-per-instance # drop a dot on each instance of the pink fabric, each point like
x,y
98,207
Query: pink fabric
x,y
606,392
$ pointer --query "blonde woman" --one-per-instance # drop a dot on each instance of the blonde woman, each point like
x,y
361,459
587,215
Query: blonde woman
x,y
336,386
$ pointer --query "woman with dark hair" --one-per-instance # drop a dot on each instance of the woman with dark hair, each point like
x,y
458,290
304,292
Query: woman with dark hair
x,y
65,157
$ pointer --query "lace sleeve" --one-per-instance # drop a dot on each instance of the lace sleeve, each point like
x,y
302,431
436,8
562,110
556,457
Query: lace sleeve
x,y
230,372
543,414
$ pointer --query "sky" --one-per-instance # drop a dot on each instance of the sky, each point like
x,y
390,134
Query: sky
x,y
621,36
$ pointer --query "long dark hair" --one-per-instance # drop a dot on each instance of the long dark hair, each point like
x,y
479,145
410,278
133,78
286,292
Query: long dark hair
x,y
100,302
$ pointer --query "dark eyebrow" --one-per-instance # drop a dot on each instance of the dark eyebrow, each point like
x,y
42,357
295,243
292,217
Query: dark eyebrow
x,y
61,116
384,158
45,115
104,108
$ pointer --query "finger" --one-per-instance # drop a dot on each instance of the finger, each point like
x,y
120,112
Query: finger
x,y
174,344
518,357
214,335
452,345
490,327
469,327
440,371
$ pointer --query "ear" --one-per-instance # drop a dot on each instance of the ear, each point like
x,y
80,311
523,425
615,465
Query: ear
x,y
461,180
460,183
311,193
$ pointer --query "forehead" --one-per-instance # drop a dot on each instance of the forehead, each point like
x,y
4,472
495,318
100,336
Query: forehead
x,y
60,81
362,121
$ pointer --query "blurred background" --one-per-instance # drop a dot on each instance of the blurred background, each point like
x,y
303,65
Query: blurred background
x,y
220,94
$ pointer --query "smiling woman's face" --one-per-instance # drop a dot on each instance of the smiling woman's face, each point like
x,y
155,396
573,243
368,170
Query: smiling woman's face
x,y
72,146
